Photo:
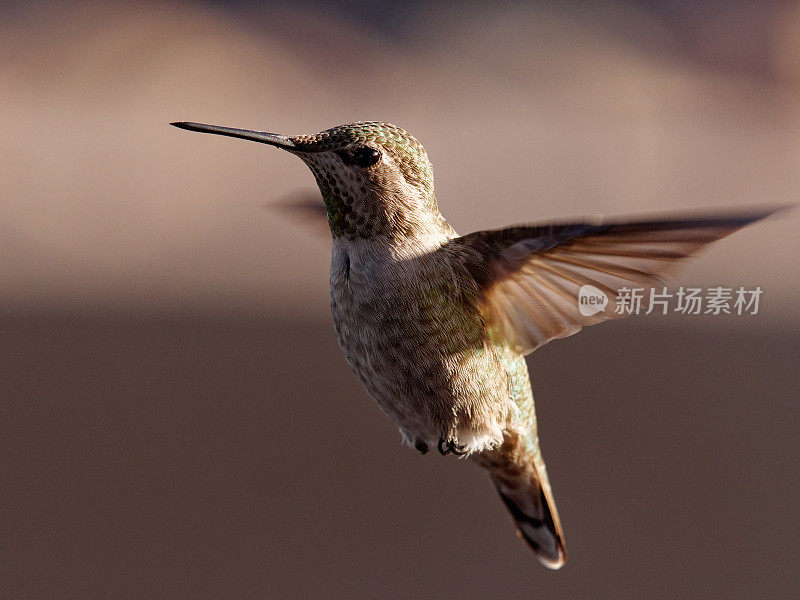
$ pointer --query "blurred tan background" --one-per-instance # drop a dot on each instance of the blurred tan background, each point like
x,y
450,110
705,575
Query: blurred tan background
x,y
179,422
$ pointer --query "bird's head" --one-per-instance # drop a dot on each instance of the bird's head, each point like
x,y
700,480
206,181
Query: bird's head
x,y
375,178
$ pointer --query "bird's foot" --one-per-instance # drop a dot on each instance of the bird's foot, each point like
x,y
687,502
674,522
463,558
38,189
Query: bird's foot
x,y
451,447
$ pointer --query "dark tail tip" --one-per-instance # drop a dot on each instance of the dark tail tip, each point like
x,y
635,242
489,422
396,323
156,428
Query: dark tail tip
x,y
540,533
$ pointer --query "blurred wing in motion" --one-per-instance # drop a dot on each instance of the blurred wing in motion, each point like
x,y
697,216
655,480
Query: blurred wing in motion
x,y
305,209
529,277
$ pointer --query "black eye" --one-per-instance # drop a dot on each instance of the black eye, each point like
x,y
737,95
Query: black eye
x,y
366,156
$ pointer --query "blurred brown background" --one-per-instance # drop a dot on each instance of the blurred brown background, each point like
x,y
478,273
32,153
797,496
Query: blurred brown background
x,y
177,420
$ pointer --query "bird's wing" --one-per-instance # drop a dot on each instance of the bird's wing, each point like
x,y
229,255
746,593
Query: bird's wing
x,y
305,209
529,277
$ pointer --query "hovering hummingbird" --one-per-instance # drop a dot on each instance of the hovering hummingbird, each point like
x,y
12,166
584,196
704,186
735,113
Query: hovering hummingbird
x,y
436,325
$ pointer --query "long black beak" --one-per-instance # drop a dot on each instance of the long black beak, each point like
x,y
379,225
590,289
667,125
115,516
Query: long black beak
x,y
273,139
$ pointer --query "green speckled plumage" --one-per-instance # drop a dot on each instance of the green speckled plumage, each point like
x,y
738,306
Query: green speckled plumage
x,y
339,190
436,326
407,310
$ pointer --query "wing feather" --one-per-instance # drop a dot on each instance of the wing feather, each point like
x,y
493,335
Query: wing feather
x,y
529,277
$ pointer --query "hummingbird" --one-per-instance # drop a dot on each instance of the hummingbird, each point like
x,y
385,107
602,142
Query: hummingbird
x,y
436,326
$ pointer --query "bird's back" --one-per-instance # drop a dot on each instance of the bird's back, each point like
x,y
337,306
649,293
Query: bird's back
x,y
519,474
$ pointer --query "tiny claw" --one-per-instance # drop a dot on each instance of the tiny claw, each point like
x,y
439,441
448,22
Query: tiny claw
x,y
458,450
442,451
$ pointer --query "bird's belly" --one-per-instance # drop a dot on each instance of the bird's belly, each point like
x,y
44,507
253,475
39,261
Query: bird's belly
x,y
428,370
